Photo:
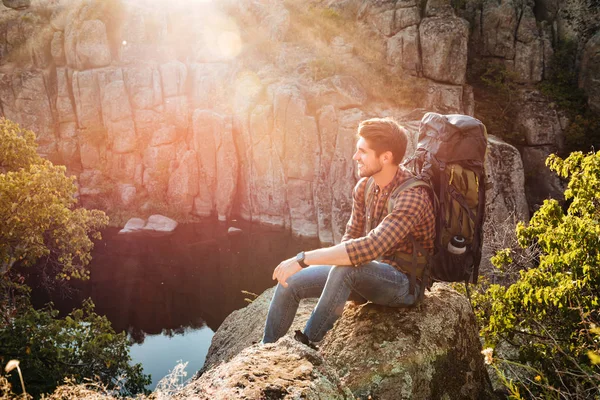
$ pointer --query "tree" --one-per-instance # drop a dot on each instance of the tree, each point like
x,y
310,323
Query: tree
x,y
37,210
41,228
551,313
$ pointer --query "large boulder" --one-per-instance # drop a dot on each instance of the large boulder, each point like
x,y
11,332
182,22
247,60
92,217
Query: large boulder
x,y
444,43
286,370
390,17
538,120
506,203
92,50
428,352
156,225
144,87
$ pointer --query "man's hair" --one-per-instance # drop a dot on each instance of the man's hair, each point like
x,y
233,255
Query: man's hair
x,y
384,134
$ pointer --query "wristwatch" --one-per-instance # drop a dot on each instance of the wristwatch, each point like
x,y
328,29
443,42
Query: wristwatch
x,y
300,259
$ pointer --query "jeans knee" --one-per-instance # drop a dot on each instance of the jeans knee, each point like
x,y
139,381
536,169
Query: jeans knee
x,y
286,292
342,273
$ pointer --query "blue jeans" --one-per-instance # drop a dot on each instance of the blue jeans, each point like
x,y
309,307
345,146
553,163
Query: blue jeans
x,y
374,281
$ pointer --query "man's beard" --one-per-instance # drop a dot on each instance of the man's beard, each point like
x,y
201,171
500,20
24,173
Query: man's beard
x,y
369,172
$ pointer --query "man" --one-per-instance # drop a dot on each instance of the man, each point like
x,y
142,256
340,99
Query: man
x,y
364,263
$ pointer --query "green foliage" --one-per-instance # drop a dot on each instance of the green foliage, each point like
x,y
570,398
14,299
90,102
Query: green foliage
x,y
551,313
83,344
500,79
37,206
42,229
17,147
495,88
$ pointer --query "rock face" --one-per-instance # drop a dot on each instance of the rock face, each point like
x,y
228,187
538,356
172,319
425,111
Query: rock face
x,y
286,370
429,352
444,48
227,131
539,123
590,72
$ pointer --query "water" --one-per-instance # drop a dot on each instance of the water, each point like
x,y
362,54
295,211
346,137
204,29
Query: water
x,y
172,293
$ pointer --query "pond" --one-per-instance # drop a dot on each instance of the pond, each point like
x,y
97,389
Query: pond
x,y
171,293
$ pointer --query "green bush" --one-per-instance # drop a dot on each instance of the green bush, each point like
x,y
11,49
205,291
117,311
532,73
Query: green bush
x,y
43,230
551,314
81,345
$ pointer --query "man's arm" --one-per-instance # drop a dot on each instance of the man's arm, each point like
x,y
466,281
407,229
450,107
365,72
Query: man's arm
x,y
334,255
356,224
409,210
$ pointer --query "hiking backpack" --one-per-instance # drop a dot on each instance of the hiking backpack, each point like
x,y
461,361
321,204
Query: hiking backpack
x,y
450,157
449,161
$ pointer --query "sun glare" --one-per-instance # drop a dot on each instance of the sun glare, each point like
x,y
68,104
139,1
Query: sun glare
x,y
229,44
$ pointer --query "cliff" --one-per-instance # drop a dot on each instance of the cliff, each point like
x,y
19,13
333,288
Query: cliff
x,y
249,109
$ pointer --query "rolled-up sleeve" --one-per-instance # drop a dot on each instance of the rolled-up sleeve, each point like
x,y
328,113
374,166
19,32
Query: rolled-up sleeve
x,y
409,210
356,224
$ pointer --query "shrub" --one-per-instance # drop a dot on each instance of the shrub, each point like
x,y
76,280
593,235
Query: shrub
x,y
551,313
83,344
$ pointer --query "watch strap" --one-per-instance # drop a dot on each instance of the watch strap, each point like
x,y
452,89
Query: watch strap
x,y
300,259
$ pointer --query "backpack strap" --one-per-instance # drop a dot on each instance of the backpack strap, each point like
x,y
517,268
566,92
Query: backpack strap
x,y
410,183
369,196
417,266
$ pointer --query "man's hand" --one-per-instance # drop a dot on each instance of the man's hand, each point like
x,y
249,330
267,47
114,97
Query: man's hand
x,y
286,269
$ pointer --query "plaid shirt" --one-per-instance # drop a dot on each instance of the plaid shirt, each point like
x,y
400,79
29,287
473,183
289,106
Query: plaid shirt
x,y
412,213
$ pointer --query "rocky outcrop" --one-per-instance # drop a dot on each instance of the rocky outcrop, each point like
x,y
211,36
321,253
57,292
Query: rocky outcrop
x,y
385,353
286,370
243,328
506,203
413,348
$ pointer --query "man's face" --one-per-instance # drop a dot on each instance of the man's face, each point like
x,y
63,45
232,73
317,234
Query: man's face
x,y
368,162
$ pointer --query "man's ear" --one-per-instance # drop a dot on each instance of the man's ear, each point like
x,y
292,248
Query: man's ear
x,y
387,157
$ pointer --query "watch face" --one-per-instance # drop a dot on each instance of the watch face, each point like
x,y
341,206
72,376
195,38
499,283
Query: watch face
x,y
300,259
